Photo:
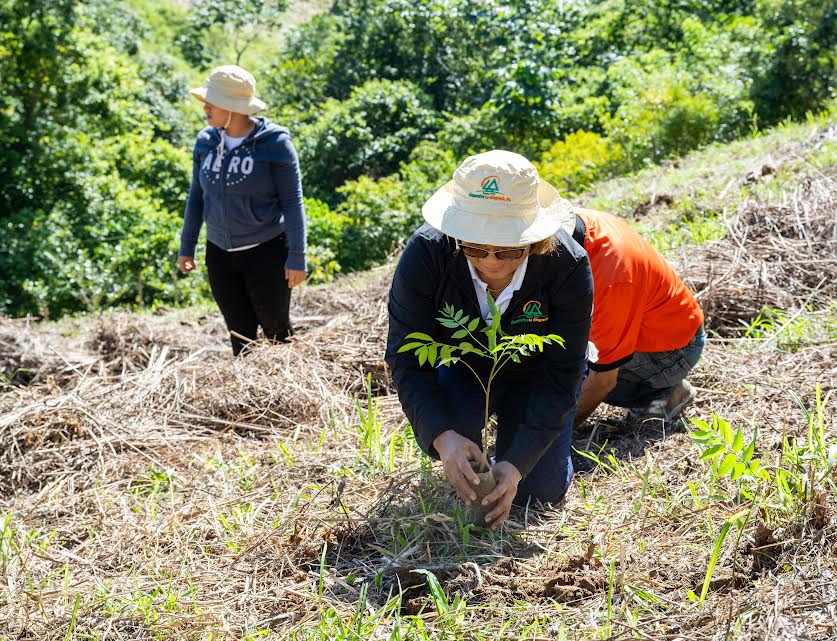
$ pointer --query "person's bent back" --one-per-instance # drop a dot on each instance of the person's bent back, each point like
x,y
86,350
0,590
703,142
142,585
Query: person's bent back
x,y
647,326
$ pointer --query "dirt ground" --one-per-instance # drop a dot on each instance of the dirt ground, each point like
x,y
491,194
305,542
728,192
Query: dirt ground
x,y
151,487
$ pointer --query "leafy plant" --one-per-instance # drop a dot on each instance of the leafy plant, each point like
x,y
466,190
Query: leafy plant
x,y
775,324
726,453
789,486
376,215
497,346
574,163
368,134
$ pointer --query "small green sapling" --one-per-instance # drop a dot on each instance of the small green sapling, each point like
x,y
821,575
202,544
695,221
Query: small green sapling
x,y
495,345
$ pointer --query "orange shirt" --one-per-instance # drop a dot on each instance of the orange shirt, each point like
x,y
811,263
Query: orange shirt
x,y
639,303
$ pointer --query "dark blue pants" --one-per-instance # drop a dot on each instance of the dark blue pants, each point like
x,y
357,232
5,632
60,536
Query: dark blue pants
x,y
652,375
550,478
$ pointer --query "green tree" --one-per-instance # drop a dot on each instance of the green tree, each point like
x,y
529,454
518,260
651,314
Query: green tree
x,y
797,75
368,134
301,79
574,163
238,22
115,23
90,193
663,110
442,46
379,215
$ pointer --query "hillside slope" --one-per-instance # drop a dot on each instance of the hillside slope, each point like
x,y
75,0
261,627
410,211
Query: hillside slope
x,y
153,488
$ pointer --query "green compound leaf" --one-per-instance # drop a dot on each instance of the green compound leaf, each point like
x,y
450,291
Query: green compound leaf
x,y
420,336
726,465
712,452
738,441
556,339
408,346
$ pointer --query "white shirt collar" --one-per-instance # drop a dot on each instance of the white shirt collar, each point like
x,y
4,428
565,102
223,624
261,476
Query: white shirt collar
x,y
502,301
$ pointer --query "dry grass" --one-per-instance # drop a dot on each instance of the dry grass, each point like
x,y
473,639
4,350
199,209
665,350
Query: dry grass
x,y
161,490
782,255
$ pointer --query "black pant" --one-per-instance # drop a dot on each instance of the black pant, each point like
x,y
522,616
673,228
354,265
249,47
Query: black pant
x,y
250,289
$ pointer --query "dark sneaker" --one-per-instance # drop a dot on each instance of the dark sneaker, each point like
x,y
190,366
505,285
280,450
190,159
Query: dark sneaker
x,y
665,409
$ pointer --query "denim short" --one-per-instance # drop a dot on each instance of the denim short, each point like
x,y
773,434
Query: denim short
x,y
652,375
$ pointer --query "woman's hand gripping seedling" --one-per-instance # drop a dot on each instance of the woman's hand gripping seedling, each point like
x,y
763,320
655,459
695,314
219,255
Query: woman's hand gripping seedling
x,y
489,492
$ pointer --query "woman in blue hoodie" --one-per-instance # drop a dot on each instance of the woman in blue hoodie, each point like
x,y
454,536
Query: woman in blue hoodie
x,y
246,187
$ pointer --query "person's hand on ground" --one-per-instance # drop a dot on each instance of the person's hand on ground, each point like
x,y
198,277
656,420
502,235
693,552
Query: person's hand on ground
x,y
456,453
507,477
186,263
294,277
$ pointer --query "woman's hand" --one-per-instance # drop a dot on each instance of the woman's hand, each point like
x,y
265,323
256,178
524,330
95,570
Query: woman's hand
x,y
186,263
294,277
456,453
507,477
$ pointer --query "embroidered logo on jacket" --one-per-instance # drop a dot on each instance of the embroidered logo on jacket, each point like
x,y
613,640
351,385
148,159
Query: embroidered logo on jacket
x,y
531,314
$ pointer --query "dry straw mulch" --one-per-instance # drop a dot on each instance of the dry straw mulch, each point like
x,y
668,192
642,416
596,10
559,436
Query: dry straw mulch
x,y
780,255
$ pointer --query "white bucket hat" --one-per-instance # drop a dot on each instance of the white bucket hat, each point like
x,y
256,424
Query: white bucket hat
x,y
496,198
232,88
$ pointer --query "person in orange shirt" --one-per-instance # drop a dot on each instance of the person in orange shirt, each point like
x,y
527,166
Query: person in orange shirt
x,y
647,326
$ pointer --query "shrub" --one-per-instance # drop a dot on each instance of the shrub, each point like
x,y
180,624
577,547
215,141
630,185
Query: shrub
x,y
658,116
325,228
797,74
573,164
300,80
370,134
473,132
110,239
381,214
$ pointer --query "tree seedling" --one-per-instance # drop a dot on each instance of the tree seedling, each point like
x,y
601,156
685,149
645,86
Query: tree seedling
x,y
495,345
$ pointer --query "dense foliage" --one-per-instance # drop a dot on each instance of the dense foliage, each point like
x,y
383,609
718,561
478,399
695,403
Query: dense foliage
x,y
93,170
588,90
383,97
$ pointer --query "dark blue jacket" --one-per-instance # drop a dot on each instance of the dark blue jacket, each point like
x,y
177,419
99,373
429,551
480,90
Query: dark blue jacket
x,y
260,197
431,273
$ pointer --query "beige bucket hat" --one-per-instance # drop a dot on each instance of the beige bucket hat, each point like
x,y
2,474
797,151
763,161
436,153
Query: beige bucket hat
x,y
232,88
497,198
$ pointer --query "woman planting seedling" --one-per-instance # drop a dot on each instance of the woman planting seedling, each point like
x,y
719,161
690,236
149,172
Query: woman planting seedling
x,y
500,348
496,246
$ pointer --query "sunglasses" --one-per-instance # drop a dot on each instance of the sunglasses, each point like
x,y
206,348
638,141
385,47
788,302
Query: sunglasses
x,y
500,254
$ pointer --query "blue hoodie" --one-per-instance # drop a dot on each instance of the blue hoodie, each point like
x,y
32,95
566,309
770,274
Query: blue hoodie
x,y
259,197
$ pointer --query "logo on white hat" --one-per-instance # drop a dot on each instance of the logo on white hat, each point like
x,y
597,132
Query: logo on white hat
x,y
490,190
